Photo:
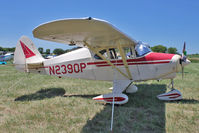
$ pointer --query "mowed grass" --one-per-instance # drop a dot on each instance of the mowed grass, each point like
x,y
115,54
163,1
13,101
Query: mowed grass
x,y
35,103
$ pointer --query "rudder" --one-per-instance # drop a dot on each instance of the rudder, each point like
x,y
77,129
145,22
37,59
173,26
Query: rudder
x,y
26,53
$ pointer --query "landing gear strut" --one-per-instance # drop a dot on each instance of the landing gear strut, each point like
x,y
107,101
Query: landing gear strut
x,y
171,85
172,95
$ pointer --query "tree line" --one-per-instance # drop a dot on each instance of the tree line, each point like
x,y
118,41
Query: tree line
x,y
163,49
158,48
59,51
7,49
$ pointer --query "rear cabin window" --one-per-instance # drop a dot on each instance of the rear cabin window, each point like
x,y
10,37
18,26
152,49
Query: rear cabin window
x,y
114,53
107,53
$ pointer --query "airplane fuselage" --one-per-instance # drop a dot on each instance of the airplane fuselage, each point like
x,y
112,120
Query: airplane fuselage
x,y
82,64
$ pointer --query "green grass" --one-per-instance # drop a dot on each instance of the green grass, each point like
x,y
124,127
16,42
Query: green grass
x,y
194,58
35,103
193,55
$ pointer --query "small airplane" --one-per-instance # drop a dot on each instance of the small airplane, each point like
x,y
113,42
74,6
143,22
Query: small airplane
x,y
50,56
6,57
107,54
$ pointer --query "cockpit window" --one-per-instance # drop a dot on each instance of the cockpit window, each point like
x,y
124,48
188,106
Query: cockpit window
x,y
142,49
131,52
108,53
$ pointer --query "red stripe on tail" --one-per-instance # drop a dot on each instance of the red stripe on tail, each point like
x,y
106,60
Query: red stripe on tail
x,y
27,52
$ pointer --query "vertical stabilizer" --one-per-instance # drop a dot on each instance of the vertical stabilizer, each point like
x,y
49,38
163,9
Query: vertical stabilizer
x,y
26,53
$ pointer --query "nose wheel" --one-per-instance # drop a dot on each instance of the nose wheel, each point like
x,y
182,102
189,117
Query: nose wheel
x,y
172,95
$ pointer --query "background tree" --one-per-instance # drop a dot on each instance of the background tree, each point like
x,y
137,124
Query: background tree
x,y
12,49
9,49
75,48
159,48
47,51
1,49
41,50
72,49
172,50
58,51
67,50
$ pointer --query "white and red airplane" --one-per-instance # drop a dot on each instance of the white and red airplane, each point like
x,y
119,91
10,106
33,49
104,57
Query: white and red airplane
x,y
107,54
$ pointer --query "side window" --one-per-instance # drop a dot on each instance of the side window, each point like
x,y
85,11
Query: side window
x,y
114,53
107,53
103,52
129,52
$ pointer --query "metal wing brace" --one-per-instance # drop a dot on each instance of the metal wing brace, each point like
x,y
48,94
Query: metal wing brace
x,y
128,75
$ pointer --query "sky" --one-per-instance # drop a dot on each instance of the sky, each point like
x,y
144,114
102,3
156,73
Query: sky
x,y
156,22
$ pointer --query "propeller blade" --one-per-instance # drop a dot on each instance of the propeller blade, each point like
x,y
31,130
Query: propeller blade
x,y
182,72
184,47
183,58
184,52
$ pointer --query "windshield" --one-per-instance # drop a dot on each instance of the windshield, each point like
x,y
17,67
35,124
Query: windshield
x,y
142,49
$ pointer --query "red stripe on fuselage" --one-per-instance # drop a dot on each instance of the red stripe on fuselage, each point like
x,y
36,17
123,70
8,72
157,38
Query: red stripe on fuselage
x,y
151,58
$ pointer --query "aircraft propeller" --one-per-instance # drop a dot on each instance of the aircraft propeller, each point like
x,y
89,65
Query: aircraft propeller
x,y
183,59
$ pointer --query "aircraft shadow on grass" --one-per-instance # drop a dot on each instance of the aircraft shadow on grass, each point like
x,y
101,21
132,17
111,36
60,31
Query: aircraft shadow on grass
x,y
82,96
42,94
143,113
51,93
184,101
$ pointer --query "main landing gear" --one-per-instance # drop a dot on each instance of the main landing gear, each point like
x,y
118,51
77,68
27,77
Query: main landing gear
x,y
117,97
172,95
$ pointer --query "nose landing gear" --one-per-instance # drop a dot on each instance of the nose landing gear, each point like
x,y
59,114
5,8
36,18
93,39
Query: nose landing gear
x,y
172,95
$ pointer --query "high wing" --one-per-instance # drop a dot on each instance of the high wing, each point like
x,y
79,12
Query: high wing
x,y
97,33
92,33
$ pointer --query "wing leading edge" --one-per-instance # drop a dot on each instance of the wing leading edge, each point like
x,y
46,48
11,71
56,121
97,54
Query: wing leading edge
x,y
97,33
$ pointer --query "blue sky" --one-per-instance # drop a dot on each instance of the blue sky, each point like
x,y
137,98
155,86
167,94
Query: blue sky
x,y
165,22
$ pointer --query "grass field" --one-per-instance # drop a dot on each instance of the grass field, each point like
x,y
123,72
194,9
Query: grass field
x,y
35,103
194,58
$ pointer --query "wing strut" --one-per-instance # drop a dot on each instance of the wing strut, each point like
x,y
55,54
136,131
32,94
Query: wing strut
x,y
100,55
112,115
124,61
